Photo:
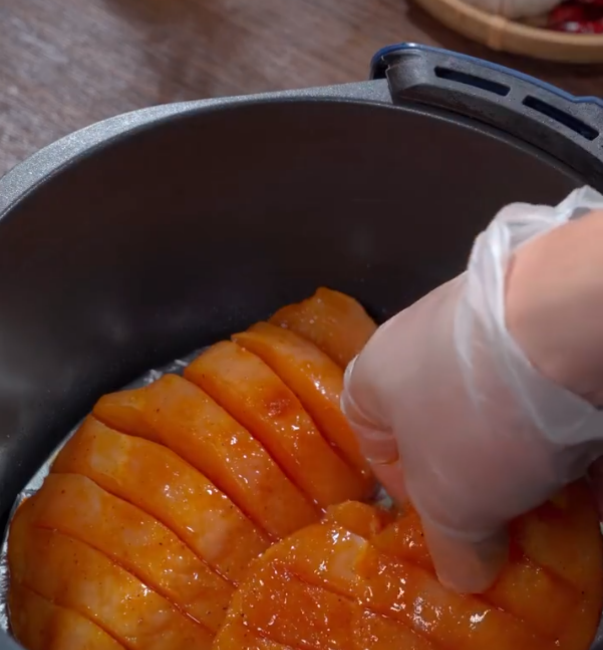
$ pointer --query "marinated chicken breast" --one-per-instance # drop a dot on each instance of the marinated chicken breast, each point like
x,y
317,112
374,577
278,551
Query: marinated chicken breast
x,y
362,580
156,507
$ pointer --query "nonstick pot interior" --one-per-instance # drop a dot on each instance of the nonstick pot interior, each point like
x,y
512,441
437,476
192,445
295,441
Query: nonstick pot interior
x,y
171,236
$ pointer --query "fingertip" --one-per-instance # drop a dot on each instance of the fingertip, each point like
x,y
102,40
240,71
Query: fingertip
x,y
377,442
391,477
466,566
347,375
376,439
347,401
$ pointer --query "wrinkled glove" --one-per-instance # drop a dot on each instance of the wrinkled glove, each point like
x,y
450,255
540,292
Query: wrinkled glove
x,y
476,403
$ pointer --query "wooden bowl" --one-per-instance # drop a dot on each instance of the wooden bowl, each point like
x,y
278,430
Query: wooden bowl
x,y
502,34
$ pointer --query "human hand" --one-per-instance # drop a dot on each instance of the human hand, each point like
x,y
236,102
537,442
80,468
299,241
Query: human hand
x,y
472,403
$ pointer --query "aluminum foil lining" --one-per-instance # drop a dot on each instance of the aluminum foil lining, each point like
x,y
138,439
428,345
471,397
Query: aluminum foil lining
x,y
175,367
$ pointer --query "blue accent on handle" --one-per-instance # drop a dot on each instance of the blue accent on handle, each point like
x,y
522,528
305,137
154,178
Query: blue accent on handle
x,y
401,47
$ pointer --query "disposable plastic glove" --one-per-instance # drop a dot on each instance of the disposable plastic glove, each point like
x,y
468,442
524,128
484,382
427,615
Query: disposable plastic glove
x,y
476,402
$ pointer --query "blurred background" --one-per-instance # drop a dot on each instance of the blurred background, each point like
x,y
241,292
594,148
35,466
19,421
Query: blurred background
x,y
68,63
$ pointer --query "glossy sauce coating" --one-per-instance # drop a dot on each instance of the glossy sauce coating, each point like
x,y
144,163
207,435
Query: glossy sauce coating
x,y
75,506
334,322
563,536
157,481
76,576
178,414
246,387
241,636
316,380
521,588
311,590
546,582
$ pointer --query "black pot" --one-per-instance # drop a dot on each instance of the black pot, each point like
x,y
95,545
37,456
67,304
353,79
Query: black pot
x,y
150,234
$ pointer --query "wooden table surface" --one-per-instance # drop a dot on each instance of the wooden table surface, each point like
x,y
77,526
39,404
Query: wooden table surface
x,y
67,63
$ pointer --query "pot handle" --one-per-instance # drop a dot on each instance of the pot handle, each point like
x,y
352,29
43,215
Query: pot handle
x,y
568,128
